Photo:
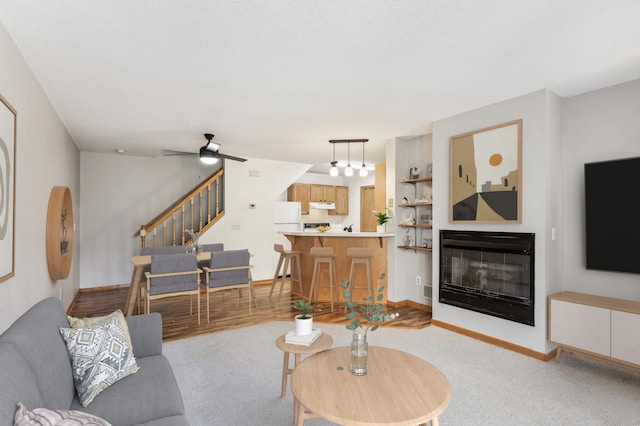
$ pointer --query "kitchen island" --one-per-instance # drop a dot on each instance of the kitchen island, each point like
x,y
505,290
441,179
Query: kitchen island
x,y
340,241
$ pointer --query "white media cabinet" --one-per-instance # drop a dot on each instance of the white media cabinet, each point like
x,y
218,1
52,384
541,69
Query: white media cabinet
x,y
596,326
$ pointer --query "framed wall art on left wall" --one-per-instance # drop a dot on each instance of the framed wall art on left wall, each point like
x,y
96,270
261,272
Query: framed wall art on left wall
x,y
8,132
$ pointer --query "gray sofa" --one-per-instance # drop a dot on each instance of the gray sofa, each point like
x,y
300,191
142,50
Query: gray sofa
x,y
35,369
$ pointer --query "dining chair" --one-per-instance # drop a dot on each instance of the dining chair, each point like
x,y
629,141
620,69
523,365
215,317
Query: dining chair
x,y
173,275
229,269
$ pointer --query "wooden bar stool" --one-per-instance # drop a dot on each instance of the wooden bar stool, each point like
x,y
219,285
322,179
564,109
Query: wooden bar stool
x,y
291,260
361,256
323,255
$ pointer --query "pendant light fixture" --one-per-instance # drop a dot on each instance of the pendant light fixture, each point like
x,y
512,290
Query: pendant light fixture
x,y
348,171
363,169
334,168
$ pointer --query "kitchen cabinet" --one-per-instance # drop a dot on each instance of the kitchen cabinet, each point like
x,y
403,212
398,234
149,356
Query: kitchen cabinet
x,y
601,327
341,201
300,192
322,193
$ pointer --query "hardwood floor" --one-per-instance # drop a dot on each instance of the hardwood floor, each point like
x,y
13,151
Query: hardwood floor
x,y
225,313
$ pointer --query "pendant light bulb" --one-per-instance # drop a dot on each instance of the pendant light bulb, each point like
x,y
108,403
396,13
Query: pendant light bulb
x,y
348,171
333,171
363,170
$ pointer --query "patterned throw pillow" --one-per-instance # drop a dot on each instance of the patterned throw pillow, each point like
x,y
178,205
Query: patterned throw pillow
x,y
44,416
100,321
101,354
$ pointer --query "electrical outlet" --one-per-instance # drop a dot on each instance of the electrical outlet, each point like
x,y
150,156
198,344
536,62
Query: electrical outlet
x,y
418,280
235,226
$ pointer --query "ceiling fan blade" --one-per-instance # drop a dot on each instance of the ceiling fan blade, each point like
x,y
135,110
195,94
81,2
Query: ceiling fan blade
x,y
230,157
169,152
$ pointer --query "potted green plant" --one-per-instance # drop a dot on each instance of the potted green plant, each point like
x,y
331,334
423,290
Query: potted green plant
x,y
382,217
365,317
304,320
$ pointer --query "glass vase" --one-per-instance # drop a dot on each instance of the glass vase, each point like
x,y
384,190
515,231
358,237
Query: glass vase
x,y
359,350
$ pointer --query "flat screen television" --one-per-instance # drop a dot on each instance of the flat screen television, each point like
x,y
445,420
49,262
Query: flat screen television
x,y
612,209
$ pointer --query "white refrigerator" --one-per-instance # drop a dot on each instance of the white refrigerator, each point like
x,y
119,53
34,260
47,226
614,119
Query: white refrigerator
x,y
287,216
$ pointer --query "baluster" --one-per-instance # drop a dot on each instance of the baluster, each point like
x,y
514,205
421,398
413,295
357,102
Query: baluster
x,y
200,210
182,225
155,236
164,233
173,226
208,203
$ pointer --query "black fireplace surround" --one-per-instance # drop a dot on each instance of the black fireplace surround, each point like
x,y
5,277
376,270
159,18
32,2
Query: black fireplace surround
x,y
488,272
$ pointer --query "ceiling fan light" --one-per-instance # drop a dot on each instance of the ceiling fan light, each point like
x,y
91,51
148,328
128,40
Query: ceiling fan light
x,y
207,157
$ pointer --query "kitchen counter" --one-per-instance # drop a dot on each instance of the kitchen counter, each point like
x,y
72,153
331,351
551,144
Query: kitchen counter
x,y
341,241
337,234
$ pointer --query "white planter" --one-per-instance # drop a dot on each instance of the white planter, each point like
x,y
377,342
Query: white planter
x,y
304,327
382,228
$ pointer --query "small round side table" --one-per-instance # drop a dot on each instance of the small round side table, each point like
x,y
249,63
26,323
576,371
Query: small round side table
x,y
323,342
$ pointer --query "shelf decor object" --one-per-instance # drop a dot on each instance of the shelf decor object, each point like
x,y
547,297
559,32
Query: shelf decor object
x,y
8,129
59,238
486,175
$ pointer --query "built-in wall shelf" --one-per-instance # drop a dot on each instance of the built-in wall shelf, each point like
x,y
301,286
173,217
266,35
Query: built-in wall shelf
x,y
424,226
415,248
416,205
424,179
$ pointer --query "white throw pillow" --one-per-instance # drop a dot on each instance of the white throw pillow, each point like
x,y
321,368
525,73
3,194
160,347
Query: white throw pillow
x,y
101,354
44,416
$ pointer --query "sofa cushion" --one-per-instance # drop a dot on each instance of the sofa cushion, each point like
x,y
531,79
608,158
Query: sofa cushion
x,y
150,394
36,329
101,355
44,416
17,383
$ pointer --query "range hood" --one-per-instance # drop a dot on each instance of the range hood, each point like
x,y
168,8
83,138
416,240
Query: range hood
x,y
322,205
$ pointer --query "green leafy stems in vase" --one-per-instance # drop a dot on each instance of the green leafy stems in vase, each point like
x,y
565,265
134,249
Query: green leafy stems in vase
x,y
368,315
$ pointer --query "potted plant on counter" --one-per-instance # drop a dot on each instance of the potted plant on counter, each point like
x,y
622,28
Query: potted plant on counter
x,y
382,217
304,320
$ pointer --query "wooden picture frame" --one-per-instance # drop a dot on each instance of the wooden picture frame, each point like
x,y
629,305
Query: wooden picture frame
x,y
486,175
8,133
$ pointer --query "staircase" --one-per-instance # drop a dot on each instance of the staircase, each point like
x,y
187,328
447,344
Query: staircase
x,y
197,211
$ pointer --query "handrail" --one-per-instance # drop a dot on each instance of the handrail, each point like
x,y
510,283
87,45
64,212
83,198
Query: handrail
x,y
188,211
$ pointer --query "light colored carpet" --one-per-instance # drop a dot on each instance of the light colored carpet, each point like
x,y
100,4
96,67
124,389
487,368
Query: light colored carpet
x,y
233,378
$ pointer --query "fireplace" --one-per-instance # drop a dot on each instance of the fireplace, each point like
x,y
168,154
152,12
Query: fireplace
x,y
488,272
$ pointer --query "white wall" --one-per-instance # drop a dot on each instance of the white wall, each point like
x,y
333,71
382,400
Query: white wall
x,y
539,112
598,126
120,193
46,157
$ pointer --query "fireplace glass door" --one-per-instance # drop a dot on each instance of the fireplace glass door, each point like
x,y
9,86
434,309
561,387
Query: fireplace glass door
x,y
490,273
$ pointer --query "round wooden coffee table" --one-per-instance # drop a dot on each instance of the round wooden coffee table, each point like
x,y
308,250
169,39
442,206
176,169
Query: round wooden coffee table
x,y
398,389
323,342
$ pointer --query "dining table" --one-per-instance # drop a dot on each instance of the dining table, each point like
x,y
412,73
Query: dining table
x,y
139,264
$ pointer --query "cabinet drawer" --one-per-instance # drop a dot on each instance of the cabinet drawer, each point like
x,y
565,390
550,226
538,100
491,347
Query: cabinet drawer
x,y
580,326
625,340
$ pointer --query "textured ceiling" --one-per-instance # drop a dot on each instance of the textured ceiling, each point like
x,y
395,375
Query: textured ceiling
x,y
278,79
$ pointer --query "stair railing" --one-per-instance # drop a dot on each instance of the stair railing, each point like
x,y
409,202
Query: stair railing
x,y
197,211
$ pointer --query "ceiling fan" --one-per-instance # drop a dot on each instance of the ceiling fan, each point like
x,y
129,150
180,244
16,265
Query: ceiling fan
x,y
209,153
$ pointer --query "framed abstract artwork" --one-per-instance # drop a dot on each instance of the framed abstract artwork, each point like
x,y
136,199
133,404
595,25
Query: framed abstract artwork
x,y
8,131
486,175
